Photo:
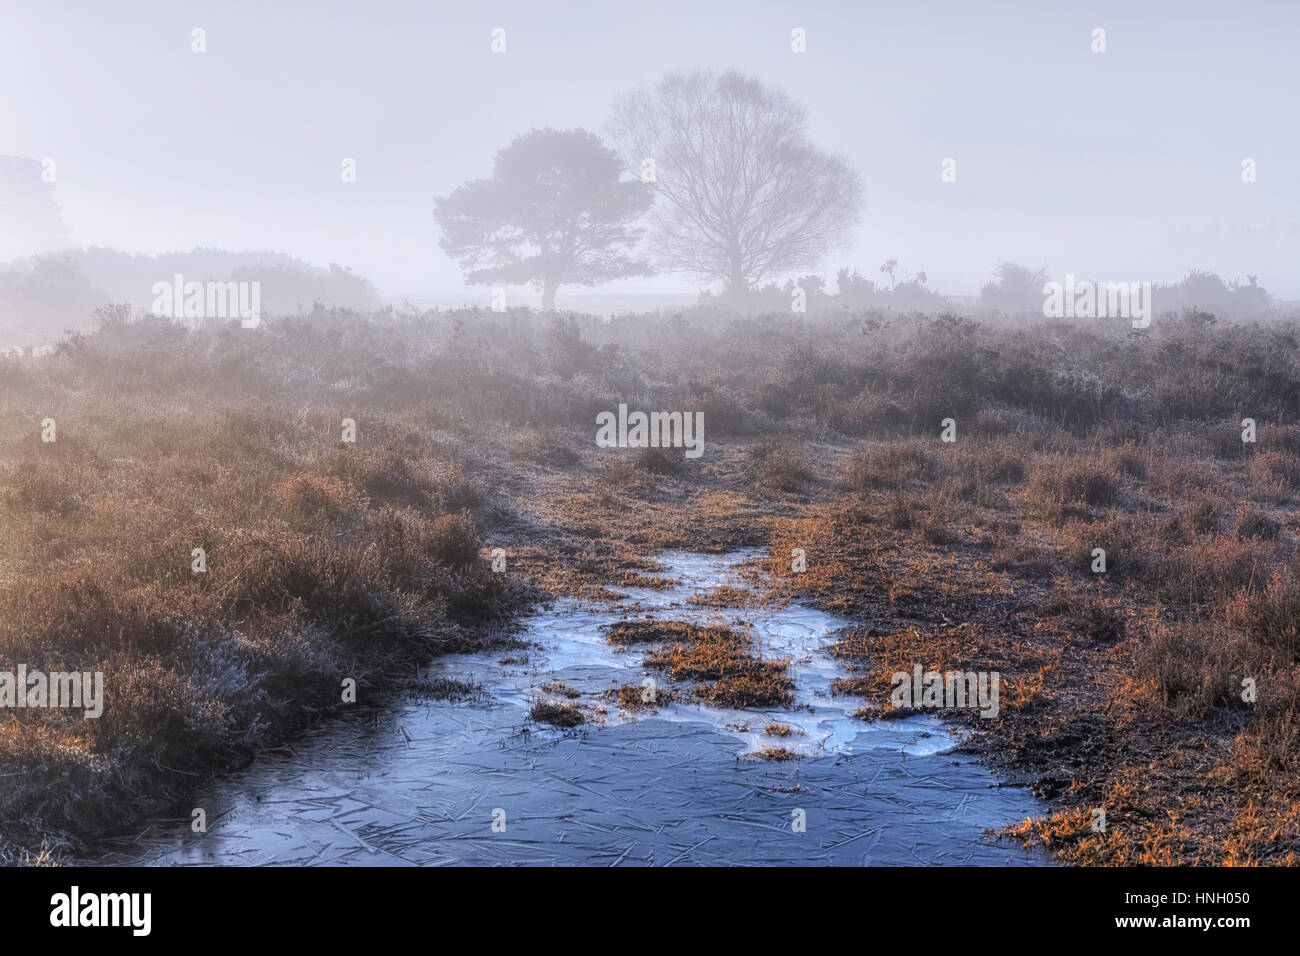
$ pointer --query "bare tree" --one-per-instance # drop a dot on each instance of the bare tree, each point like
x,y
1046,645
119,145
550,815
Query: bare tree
x,y
742,195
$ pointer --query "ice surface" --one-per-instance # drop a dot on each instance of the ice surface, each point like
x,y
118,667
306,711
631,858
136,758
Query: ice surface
x,y
673,787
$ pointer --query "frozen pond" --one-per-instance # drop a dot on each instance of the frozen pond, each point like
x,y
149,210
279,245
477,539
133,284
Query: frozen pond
x,y
422,783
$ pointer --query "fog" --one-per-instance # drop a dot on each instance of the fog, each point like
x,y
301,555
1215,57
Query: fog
x,y
677,433
1123,165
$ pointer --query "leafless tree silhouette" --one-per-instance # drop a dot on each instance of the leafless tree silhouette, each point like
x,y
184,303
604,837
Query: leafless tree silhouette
x,y
742,195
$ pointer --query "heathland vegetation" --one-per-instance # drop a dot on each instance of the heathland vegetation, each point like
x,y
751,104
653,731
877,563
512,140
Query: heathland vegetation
x,y
327,559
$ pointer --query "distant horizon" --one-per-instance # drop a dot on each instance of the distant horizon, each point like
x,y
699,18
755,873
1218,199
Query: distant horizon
x,y
624,289
1123,164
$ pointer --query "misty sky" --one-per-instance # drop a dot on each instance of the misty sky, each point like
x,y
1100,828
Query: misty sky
x,y
1116,166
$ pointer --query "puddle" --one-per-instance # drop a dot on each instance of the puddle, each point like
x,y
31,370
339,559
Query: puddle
x,y
418,784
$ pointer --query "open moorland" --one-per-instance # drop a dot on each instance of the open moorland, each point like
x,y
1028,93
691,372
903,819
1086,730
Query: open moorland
x,y
1161,686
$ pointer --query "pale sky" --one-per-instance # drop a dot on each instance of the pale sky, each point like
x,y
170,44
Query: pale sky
x,y
1118,165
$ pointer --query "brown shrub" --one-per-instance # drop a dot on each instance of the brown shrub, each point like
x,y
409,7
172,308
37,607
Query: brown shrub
x,y
1128,459
384,475
312,499
1280,438
1253,523
627,633
454,540
1061,487
1274,475
778,465
559,715
634,697
1209,569
160,712
1131,543
1089,614
36,487
722,657
660,461
550,449
1191,667
979,469
776,754
760,684
1270,615
891,465
1202,515
454,488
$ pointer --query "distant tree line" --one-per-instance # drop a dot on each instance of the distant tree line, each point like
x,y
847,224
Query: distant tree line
x,y
44,295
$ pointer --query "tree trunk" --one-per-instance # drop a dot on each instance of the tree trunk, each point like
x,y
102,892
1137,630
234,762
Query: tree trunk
x,y
549,285
738,288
